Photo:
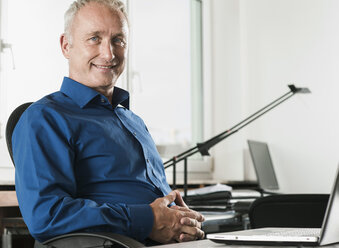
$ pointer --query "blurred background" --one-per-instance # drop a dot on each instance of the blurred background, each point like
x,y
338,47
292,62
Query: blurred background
x,y
195,69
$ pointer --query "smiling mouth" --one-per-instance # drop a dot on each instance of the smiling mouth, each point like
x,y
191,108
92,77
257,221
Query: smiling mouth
x,y
105,67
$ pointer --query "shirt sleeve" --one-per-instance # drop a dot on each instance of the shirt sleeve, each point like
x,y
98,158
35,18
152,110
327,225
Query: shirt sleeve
x,y
46,184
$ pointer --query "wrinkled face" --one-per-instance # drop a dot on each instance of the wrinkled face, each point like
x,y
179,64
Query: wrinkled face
x,y
97,46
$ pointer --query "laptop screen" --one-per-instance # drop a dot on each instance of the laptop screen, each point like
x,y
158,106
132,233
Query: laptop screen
x,y
263,165
330,227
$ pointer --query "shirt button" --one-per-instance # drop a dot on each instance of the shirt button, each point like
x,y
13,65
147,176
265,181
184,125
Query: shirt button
x,y
147,160
134,133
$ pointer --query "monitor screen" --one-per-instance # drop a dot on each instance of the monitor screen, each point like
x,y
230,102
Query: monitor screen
x,y
263,165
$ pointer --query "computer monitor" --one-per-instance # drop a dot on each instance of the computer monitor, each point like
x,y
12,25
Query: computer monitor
x,y
263,165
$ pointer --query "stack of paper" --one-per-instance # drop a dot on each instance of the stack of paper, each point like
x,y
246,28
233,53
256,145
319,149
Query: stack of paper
x,y
215,197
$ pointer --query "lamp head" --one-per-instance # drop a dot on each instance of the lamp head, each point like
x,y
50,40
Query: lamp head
x,y
298,90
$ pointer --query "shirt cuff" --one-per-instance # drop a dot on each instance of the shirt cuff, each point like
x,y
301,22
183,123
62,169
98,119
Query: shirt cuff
x,y
141,221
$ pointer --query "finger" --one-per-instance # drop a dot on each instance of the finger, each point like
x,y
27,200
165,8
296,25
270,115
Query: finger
x,y
184,237
179,201
193,231
168,199
175,207
180,208
199,217
193,214
184,209
190,222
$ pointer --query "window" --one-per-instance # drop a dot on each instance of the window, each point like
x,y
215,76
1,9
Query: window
x,y
165,76
165,72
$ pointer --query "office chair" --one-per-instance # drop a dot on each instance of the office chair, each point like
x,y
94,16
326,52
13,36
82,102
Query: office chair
x,y
78,240
11,123
288,210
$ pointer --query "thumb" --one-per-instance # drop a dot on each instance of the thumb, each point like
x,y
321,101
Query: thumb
x,y
168,199
179,201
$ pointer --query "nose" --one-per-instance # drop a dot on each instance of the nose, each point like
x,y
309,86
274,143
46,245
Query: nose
x,y
107,52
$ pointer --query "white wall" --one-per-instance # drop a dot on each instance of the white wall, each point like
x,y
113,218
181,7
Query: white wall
x,y
226,85
260,47
39,64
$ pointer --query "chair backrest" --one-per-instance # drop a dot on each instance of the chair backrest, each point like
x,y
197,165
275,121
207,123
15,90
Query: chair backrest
x,y
289,210
11,123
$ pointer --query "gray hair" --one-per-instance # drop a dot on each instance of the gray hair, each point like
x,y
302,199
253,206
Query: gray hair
x,y
78,4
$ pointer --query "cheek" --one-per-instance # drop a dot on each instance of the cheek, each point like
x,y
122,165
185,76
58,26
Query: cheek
x,y
121,55
85,53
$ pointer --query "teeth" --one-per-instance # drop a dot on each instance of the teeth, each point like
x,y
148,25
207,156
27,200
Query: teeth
x,y
103,67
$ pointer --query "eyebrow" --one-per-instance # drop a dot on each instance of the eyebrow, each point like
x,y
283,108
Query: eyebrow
x,y
95,33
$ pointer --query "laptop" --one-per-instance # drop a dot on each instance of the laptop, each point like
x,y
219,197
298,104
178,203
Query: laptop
x,y
327,234
263,165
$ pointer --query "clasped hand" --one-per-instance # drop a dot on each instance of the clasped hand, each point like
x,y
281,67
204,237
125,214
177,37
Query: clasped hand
x,y
176,223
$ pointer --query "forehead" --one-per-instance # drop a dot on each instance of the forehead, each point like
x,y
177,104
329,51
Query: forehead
x,y
96,17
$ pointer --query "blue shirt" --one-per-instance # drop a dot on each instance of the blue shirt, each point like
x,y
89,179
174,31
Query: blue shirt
x,y
83,164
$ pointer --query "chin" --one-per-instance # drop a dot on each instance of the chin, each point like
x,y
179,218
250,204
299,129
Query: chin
x,y
102,83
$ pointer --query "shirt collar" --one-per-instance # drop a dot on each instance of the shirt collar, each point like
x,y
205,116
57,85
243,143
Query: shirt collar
x,y
82,95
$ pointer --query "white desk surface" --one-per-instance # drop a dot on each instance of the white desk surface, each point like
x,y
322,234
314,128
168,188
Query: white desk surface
x,y
210,244
8,199
193,244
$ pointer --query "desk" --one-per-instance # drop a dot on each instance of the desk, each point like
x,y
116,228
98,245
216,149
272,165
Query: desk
x,y
9,211
10,215
210,244
196,244
13,230
8,199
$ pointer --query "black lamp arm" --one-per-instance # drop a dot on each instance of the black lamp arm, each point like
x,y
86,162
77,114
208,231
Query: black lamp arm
x,y
204,147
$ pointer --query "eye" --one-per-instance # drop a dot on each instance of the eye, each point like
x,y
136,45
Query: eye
x,y
118,41
94,38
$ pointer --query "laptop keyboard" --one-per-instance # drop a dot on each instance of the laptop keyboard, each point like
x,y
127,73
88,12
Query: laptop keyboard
x,y
302,232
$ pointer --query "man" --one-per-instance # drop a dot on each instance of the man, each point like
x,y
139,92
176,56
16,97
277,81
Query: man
x,y
83,163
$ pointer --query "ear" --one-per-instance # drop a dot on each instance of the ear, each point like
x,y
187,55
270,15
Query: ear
x,y
65,46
